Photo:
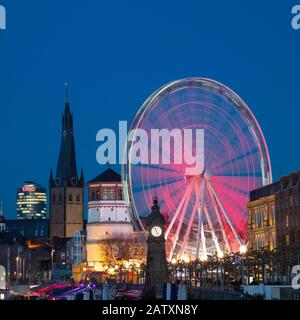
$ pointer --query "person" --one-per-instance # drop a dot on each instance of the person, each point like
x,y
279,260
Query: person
x,y
106,291
182,291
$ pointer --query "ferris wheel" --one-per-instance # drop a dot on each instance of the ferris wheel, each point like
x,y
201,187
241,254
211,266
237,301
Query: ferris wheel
x,y
205,205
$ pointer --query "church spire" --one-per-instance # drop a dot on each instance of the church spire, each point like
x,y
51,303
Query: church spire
x,y
67,104
66,170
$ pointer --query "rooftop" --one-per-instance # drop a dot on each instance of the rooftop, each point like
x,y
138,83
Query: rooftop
x,y
109,175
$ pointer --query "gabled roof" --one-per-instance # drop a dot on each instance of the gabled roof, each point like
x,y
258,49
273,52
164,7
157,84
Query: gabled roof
x,y
109,175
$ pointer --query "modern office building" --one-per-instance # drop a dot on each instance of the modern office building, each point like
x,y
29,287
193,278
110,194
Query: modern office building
x,y
31,201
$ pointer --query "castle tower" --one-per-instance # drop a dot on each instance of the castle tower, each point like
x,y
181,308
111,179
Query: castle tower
x,y
109,219
66,190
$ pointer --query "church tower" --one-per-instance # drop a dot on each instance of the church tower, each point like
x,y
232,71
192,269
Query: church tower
x,y
66,190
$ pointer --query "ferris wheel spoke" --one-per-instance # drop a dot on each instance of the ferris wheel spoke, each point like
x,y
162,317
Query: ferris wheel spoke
x,y
188,231
200,212
155,186
214,236
220,220
240,185
179,226
211,187
203,243
237,159
175,216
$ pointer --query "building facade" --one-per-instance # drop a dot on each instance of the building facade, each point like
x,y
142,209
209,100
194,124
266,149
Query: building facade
x,y
109,222
288,211
29,229
274,214
2,219
76,248
262,218
66,189
31,201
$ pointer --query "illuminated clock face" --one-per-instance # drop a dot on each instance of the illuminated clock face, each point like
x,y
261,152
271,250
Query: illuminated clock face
x,y
156,231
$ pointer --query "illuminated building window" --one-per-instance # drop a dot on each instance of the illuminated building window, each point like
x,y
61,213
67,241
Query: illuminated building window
x,y
109,194
287,239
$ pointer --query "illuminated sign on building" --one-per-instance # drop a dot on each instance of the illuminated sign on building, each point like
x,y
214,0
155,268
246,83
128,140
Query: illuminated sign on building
x,y
28,189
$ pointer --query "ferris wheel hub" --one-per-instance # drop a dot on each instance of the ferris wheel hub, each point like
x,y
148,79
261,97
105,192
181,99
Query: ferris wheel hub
x,y
198,177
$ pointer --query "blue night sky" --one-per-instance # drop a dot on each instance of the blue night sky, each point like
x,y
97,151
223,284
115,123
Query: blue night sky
x,y
115,54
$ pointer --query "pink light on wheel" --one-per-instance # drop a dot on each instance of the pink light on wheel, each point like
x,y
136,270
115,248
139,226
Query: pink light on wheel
x,y
206,210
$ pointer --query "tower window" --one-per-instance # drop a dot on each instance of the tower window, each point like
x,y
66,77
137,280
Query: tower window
x,y
77,197
70,197
54,198
93,196
60,197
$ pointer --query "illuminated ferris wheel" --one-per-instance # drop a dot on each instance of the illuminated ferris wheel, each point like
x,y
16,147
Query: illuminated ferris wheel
x,y
205,206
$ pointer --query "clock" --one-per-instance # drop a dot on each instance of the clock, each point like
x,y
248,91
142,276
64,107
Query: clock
x,y
156,231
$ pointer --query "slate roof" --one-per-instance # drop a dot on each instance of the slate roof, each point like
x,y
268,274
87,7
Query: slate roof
x,y
109,175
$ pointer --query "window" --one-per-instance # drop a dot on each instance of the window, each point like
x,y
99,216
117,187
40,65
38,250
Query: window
x,y
54,198
108,194
60,197
273,216
259,219
93,196
296,200
77,197
70,197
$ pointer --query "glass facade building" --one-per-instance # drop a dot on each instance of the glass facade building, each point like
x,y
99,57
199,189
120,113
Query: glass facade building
x,y
31,201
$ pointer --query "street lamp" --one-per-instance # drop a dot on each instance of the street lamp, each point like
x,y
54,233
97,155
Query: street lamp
x,y
243,250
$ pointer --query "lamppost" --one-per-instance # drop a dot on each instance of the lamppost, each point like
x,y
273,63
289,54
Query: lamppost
x,y
243,250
